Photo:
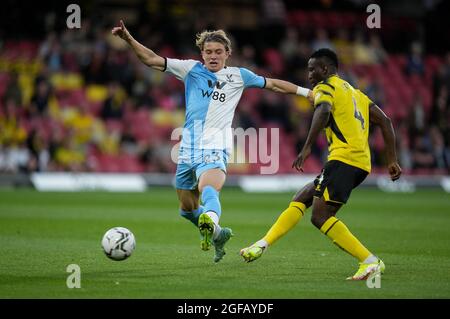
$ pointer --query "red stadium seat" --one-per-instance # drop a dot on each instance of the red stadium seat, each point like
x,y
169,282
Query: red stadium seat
x,y
312,165
319,19
349,19
95,107
432,62
274,60
130,164
120,163
113,125
300,19
334,20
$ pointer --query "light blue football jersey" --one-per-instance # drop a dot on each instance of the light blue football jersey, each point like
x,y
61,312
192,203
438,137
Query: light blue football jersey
x,y
211,99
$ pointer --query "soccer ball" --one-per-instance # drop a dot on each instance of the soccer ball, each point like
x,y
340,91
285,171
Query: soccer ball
x,y
118,243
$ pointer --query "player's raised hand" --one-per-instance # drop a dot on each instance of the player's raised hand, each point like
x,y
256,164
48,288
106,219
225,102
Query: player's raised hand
x,y
301,157
395,171
121,31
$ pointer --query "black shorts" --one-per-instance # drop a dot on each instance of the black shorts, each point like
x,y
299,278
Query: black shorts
x,y
337,180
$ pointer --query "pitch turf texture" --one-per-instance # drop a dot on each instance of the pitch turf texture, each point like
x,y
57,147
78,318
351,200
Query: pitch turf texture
x,y
42,233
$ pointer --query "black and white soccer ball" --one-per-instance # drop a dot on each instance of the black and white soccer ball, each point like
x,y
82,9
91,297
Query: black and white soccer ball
x,y
118,243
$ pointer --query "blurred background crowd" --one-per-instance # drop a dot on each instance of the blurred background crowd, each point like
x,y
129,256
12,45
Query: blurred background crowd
x,y
79,100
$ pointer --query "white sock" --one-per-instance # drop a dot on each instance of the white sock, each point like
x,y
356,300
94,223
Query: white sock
x,y
370,260
215,219
262,243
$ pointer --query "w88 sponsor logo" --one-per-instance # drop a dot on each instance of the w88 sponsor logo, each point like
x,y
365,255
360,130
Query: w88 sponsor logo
x,y
214,95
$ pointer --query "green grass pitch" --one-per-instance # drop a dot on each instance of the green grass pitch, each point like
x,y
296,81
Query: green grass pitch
x,y
42,233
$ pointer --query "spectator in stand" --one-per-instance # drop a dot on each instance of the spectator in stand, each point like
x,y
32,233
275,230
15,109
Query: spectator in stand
x,y
375,91
11,130
361,51
446,71
422,152
15,155
128,142
13,90
417,116
148,99
82,125
438,146
297,65
301,134
141,85
273,17
404,150
348,75
40,100
290,44
440,114
415,63
344,47
50,52
248,56
69,157
321,40
112,107
273,109
38,147
96,71
376,49
43,75
15,158
245,118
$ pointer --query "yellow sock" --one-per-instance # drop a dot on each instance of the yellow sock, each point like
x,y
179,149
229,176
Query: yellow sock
x,y
288,219
344,239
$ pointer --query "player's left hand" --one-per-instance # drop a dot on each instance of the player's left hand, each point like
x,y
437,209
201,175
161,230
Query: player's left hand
x,y
301,157
395,171
121,31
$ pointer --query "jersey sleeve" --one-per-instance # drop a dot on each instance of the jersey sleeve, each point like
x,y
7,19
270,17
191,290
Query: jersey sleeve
x,y
252,80
323,93
179,68
366,98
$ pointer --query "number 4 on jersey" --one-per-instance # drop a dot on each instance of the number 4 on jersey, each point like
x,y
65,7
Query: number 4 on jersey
x,y
358,114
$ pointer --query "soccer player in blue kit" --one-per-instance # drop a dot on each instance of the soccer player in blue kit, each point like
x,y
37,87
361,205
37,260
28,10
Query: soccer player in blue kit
x,y
212,92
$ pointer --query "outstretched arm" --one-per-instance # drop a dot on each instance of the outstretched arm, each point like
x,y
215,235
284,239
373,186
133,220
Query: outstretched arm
x,y
319,122
377,117
144,54
282,86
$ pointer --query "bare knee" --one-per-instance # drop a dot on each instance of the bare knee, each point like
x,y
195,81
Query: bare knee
x,y
322,212
213,177
318,220
305,195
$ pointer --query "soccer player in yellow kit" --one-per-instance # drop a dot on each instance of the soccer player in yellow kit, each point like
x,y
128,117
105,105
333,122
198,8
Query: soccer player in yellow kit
x,y
345,113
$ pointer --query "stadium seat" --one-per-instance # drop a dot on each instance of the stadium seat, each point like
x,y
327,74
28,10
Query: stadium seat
x,y
349,19
114,125
334,20
274,60
319,19
300,19
107,164
129,164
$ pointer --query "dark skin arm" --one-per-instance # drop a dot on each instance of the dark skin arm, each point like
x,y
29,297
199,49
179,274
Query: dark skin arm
x,y
377,117
319,122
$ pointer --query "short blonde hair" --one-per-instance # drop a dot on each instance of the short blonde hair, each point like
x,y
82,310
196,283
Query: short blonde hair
x,y
213,36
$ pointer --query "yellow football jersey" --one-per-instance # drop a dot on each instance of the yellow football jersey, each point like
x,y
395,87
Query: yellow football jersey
x,y
348,128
